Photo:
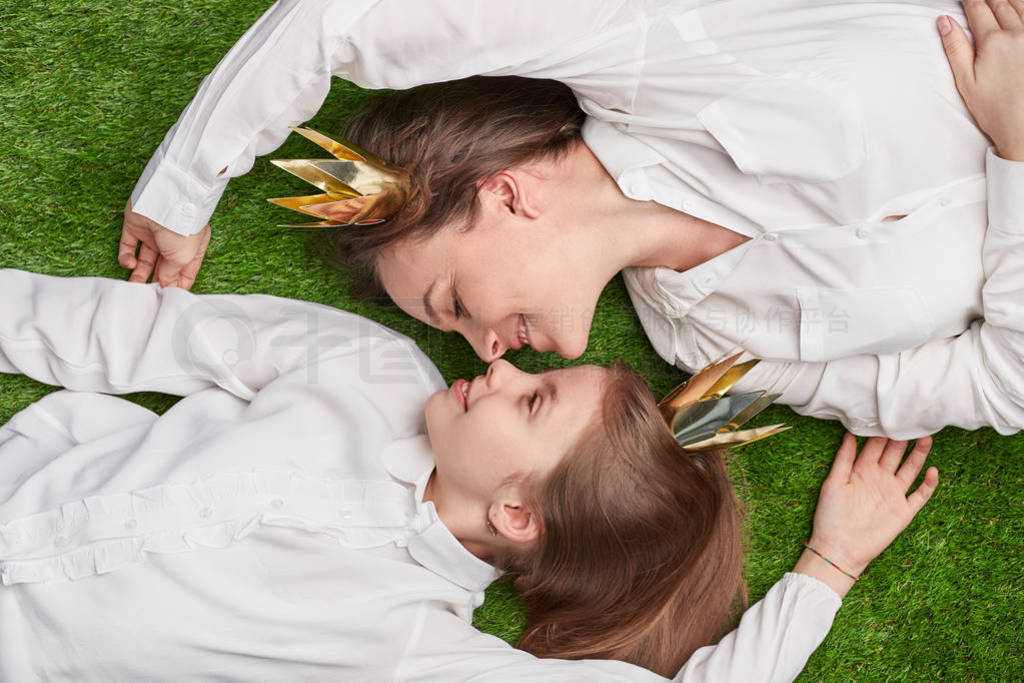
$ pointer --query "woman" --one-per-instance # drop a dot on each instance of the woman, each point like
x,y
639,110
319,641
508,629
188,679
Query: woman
x,y
291,518
752,129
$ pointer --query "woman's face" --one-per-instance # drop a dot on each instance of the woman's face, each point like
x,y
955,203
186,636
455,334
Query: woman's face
x,y
509,424
505,283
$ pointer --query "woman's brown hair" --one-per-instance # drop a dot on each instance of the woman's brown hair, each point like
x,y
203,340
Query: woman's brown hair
x,y
449,136
640,557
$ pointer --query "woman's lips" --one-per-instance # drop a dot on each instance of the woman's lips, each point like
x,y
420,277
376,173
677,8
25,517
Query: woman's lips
x,y
460,388
522,332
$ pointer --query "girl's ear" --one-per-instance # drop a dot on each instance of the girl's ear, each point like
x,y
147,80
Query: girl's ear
x,y
509,192
514,520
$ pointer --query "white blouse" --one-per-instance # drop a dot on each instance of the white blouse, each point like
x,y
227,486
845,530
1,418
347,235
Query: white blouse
x,y
801,125
270,525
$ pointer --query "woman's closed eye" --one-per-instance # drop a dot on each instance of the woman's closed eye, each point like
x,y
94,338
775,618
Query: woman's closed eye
x,y
457,309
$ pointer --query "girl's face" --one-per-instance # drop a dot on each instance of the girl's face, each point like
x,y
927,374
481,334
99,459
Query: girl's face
x,y
508,424
507,282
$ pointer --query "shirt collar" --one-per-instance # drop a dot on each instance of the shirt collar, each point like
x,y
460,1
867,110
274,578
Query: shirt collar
x,y
619,153
411,461
673,293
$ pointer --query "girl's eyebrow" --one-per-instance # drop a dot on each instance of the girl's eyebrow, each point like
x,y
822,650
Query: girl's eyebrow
x,y
552,390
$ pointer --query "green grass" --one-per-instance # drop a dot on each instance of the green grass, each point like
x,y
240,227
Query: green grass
x,y
87,90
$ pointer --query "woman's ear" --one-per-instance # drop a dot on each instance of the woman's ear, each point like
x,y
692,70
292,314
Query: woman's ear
x,y
509,191
514,520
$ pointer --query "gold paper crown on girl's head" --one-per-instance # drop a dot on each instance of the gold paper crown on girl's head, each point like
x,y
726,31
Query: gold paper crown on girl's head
x,y
357,188
702,417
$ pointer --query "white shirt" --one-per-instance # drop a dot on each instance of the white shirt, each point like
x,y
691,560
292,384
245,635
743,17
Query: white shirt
x,y
801,125
270,525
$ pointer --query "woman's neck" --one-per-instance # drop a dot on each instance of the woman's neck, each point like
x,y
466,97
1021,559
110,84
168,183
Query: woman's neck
x,y
642,233
673,239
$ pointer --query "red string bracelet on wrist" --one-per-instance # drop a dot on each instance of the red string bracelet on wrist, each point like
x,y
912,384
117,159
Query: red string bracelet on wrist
x,y
830,562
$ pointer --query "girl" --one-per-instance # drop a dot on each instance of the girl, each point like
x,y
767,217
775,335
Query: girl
x,y
798,179
300,515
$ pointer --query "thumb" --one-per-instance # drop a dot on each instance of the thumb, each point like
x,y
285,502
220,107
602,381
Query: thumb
x,y
169,266
959,52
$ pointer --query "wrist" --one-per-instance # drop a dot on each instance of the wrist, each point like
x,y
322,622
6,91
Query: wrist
x,y
811,565
839,552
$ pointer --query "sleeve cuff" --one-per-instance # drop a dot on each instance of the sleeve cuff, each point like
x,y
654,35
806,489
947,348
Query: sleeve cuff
x,y
172,198
1005,193
812,588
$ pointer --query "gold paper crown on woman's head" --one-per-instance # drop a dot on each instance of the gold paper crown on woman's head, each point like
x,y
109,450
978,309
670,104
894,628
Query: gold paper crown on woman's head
x,y
702,417
357,188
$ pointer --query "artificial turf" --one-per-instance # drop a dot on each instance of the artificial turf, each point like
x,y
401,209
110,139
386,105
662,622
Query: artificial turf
x,y
88,89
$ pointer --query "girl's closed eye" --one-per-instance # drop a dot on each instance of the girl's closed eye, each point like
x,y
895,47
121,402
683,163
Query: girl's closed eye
x,y
456,307
534,402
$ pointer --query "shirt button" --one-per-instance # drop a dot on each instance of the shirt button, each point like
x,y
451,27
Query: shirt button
x,y
205,513
862,233
187,210
346,513
770,236
687,205
60,541
946,201
130,524
277,503
401,542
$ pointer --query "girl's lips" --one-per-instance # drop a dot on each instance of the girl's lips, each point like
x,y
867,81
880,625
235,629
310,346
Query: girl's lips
x,y
460,388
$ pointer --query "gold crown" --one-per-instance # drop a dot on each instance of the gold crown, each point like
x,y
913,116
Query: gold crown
x,y
702,417
357,187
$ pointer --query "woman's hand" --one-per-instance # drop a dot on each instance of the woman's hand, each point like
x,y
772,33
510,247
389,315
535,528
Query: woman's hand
x,y
171,259
990,75
864,506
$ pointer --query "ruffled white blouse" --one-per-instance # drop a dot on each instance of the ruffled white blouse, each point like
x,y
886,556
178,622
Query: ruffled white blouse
x,y
270,525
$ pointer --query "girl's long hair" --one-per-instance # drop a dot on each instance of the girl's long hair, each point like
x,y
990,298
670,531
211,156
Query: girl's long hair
x,y
640,557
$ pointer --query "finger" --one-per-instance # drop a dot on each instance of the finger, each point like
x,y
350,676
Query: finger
x,y
1005,14
911,467
144,264
188,274
959,52
871,451
980,18
843,464
126,250
918,498
168,269
892,455
1019,6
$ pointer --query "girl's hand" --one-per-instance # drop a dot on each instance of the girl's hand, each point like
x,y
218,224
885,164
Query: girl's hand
x,y
864,506
990,75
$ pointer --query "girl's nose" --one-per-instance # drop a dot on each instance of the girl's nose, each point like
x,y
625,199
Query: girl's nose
x,y
498,371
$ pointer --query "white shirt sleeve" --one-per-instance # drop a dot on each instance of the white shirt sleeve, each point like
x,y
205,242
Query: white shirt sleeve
x,y
972,380
278,74
771,643
95,334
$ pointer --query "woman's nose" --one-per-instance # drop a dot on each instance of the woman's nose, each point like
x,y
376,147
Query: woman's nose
x,y
490,346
